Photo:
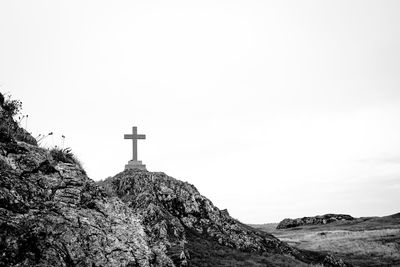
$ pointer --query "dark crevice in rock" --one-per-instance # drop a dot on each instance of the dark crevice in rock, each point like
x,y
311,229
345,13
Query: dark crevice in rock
x,y
44,167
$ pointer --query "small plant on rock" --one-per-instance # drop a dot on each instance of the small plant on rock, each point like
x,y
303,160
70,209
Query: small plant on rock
x,y
10,130
64,155
11,106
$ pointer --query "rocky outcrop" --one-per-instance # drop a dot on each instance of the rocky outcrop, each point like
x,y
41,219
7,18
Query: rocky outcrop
x,y
320,219
169,208
175,215
52,214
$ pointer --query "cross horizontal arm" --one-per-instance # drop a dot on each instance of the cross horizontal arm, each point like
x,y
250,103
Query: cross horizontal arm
x,y
136,136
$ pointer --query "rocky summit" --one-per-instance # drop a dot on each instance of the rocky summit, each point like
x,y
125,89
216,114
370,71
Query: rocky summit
x,y
173,212
52,214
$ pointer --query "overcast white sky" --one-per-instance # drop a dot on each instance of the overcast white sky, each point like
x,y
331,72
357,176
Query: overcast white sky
x,y
272,109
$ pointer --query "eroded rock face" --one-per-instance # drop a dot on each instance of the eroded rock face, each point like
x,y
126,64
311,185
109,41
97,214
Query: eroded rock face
x,y
321,219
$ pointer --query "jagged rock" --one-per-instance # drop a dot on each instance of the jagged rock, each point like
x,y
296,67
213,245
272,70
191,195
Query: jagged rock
x,y
320,219
52,214
169,207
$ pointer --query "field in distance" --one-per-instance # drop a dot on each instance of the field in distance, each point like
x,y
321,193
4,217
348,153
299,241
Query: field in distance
x,y
367,241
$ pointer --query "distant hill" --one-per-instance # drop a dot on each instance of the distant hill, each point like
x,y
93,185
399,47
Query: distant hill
x,y
357,224
366,241
320,219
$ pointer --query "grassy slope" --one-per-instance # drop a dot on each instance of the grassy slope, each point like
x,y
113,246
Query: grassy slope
x,y
372,241
205,252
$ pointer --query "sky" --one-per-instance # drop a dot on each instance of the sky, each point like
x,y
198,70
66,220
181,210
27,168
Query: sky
x,y
272,109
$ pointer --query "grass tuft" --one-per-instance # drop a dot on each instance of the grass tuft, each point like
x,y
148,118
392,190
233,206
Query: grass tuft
x,y
65,155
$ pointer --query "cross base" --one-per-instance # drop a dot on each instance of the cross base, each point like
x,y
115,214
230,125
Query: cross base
x,y
135,164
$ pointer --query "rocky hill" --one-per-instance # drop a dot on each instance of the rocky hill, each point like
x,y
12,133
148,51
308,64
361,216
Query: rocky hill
x,y
174,214
320,219
52,214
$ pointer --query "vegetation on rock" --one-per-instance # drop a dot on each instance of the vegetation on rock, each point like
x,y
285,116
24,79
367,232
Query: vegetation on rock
x,y
64,155
9,128
11,106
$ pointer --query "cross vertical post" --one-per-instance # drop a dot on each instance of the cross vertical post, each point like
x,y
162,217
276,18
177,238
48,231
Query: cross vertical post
x,y
134,144
134,136
135,163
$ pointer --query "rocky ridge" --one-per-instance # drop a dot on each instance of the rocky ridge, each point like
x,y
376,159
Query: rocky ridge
x,y
320,219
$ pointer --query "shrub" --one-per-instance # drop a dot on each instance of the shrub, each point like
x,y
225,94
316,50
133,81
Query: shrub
x,y
10,106
9,128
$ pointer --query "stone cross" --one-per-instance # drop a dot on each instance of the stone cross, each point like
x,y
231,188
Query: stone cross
x,y
134,136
